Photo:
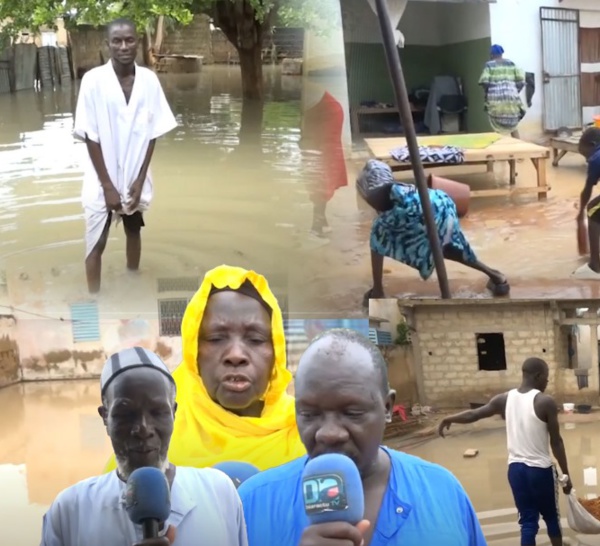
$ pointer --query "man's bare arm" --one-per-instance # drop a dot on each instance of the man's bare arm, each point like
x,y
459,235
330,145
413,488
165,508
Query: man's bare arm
x,y
549,413
146,165
496,406
95,151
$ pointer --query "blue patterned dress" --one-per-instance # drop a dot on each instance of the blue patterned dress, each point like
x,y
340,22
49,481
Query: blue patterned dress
x,y
400,233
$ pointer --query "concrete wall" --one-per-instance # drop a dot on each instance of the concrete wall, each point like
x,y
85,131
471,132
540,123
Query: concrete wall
x,y
445,350
9,355
47,349
401,373
193,39
521,37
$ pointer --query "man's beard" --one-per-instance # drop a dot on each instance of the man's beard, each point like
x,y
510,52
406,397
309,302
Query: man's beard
x,y
125,468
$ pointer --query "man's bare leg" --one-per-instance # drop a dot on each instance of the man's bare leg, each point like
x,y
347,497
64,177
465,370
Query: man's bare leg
x,y
93,263
133,248
319,223
594,239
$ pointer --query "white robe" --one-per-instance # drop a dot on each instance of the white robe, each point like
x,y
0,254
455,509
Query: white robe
x,y
124,131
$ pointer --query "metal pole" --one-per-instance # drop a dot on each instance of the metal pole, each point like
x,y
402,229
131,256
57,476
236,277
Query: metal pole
x,y
393,59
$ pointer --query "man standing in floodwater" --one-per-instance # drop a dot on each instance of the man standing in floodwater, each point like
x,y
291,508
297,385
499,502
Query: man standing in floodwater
x,y
121,111
589,147
531,428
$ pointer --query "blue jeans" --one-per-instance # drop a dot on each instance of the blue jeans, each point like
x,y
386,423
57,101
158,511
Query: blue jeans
x,y
535,491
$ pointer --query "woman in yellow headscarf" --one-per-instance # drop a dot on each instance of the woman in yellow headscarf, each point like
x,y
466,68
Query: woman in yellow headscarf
x,y
231,385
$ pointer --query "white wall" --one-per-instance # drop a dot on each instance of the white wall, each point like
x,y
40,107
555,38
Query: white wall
x,y
422,23
590,19
521,38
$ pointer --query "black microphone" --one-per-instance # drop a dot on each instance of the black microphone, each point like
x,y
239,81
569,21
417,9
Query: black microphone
x,y
148,499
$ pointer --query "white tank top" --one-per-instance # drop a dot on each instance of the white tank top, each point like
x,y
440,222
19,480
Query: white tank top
x,y
527,436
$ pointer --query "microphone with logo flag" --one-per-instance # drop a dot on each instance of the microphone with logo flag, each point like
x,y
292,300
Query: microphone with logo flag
x,y
148,499
332,490
238,472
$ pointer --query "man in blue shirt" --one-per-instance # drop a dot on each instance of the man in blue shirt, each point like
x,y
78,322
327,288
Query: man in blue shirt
x,y
343,401
589,147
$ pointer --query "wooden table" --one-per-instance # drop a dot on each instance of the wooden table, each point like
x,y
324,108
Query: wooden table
x,y
357,111
505,149
561,146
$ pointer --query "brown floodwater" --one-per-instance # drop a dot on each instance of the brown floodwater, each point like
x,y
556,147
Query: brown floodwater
x,y
532,242
216,201
53,437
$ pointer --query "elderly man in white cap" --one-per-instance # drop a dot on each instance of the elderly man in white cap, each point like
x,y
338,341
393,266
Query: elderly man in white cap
x,y
138,410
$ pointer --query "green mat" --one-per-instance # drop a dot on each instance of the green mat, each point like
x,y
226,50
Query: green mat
x,y
474,142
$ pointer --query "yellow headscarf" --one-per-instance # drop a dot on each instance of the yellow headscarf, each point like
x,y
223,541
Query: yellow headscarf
x,y
206,433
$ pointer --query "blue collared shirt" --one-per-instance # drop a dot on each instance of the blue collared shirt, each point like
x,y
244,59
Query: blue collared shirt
x,y
593,168
423,504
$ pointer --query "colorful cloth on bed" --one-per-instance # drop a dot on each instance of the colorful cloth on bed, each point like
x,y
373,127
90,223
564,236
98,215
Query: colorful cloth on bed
x,y
503,82
400,233
447,155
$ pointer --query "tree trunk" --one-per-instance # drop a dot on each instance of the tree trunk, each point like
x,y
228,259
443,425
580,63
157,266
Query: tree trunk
x,y
251,126
160,33
252,72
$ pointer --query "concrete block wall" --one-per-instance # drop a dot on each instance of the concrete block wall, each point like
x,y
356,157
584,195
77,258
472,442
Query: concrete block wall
x,y
446,351
193,39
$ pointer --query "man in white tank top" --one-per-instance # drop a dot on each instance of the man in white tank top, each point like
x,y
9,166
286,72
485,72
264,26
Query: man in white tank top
x,y
532,429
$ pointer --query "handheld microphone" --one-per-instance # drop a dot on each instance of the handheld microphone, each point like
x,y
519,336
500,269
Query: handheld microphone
x,y
238,472
332,490
148,499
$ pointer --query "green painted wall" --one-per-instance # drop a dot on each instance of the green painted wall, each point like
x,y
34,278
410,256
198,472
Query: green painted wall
x,y
368,77
466,60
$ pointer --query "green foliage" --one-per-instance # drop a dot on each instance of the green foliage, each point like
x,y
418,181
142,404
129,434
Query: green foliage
x,y
33,14
403,334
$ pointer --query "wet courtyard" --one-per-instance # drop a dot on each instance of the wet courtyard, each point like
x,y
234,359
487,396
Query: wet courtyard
x,y
53,437
532,242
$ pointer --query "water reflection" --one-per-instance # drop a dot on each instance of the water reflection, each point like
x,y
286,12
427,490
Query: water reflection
x,y
214,202
52,437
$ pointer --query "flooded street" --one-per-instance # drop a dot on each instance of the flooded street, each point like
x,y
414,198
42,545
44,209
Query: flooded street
x,y
532,242
485,476
215,201
53,437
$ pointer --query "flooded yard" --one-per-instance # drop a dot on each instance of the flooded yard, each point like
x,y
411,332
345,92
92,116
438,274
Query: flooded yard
x,y
215,201
485,476
532,242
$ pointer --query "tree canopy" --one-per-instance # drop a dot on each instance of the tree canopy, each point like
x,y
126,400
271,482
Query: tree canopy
x,y
18,15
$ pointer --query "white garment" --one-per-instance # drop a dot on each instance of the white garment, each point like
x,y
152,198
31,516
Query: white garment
x,y
527,436
396,9
205,509
124,131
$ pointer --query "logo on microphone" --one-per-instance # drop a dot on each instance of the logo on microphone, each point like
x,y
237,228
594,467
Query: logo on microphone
x,y
324,493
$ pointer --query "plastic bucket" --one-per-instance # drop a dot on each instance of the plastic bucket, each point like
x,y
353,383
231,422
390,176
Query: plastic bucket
x,y
568,408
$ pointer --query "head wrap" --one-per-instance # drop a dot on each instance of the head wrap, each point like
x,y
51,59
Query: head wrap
x,y
247,289
130,359
496,50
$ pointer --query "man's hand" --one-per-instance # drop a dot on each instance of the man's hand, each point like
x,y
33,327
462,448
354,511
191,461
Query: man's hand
x,y
112,198
444,424
167,540
567,487
338,533
135,194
